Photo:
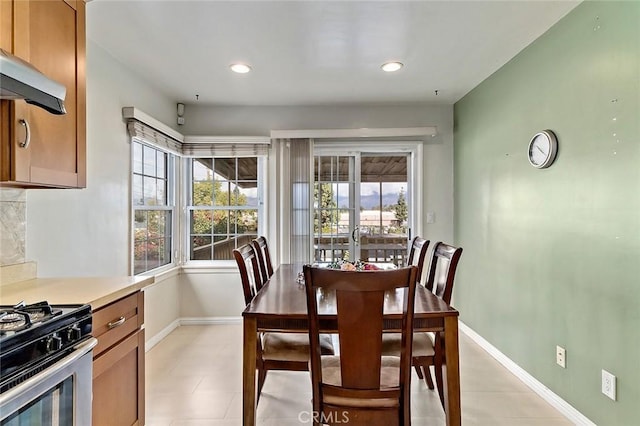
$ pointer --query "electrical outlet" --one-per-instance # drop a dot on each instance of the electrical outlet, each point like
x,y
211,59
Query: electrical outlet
x,y
561,357
609,384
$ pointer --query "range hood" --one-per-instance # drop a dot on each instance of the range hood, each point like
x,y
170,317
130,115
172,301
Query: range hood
x,y
21,80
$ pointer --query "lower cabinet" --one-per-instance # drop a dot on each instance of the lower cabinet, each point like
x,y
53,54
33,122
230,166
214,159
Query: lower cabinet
x,y
118,363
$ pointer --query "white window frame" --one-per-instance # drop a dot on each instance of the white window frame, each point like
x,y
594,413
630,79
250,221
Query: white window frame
x,y
414,168
172,185
263,163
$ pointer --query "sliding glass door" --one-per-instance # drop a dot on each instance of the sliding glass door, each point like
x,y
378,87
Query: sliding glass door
x,y
334,208
361,205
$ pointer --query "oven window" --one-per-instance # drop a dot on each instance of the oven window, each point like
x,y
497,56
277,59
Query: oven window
x,y
54,407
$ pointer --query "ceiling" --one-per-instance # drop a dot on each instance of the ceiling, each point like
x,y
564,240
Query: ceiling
x,y
317,52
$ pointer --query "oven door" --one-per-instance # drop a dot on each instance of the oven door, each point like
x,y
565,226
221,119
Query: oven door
x,y
58,396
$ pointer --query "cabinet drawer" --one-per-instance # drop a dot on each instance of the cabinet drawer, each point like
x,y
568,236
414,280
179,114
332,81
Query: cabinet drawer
x,y
116,321
118,384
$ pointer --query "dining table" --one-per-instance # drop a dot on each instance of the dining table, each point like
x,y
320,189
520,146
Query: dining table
x,y
281,306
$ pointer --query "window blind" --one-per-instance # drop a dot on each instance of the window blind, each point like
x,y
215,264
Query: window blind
x,y
153,132
221,146
153,137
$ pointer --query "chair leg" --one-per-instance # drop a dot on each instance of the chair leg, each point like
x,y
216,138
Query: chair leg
x,y
418,371
427,376
438,371
262,376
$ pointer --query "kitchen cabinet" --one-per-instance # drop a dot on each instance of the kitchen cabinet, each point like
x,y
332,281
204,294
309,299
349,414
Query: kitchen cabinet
x,y
118,363
50,35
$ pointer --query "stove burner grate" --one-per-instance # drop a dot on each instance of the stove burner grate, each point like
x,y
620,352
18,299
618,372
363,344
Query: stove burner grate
x,y
13,320
23,316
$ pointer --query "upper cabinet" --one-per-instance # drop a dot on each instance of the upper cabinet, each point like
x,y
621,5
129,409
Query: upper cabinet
x,y
37,148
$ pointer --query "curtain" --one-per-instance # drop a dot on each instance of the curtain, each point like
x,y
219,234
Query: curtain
x,y
297,198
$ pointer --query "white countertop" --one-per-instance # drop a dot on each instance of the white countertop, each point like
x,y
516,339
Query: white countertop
x,y
95,291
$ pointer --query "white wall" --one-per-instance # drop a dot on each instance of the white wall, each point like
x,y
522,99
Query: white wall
x,y
217,293
260,120
86,232
211,292
162,306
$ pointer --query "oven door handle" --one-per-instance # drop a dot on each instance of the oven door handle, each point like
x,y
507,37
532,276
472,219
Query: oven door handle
x,y
79,351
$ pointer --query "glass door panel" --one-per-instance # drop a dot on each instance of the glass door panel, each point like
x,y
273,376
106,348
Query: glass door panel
x,y
384,213
334,208
361,207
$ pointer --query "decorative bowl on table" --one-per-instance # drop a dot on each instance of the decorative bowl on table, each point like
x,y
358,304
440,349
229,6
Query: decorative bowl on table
x,y
358,265
343,265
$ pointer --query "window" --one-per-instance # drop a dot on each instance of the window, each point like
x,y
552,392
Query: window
x,y
225,205
153,207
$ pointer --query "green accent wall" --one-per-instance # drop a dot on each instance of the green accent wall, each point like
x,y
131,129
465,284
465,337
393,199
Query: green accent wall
x,y
552,257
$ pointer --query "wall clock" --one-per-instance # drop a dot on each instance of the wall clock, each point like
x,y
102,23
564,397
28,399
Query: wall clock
x,y
543,148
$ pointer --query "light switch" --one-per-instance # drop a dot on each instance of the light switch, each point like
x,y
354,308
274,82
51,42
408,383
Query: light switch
x,y
431,217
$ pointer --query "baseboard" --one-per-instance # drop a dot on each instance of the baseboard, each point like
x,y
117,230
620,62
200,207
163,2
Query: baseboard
x,y
210,320
161,335
544,392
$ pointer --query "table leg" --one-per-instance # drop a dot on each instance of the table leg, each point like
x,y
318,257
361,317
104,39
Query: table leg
x,y
249,371
451,372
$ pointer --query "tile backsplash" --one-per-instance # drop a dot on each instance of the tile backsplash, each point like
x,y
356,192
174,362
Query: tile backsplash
x,y
13,225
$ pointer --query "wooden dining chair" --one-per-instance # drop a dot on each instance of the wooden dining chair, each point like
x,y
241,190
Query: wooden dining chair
x,y
360,386
275,351
418,254
247,261
264,258
427,346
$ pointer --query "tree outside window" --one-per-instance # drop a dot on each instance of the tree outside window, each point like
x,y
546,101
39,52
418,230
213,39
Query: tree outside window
x,y
224,206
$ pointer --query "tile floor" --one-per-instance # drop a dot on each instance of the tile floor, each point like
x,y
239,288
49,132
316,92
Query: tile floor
x,y
194,378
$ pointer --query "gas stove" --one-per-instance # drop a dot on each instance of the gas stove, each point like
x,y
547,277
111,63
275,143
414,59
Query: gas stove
x,y
33,337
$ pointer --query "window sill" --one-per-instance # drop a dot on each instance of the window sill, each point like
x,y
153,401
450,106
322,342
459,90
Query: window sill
x,y
202,267
162,273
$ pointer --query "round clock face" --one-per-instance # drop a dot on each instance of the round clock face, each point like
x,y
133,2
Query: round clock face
x,y
542,149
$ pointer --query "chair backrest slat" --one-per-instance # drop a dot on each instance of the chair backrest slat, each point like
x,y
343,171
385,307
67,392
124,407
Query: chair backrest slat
x,y
442,270
264,257
358,325
250,275
418,254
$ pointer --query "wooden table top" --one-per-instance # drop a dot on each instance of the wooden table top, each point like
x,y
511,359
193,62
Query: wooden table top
x,y
283,297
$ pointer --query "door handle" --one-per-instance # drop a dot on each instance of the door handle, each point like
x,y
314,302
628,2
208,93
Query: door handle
x,y
354,233
27,133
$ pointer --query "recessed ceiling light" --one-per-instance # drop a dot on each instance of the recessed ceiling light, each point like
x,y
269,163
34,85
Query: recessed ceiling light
x,y
240,68
392,66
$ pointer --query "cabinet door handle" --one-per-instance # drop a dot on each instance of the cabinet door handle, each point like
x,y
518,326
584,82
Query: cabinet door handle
x,y
116,323
27,133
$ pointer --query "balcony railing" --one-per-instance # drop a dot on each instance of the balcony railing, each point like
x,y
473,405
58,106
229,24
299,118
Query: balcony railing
x,y
222,250
372,249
